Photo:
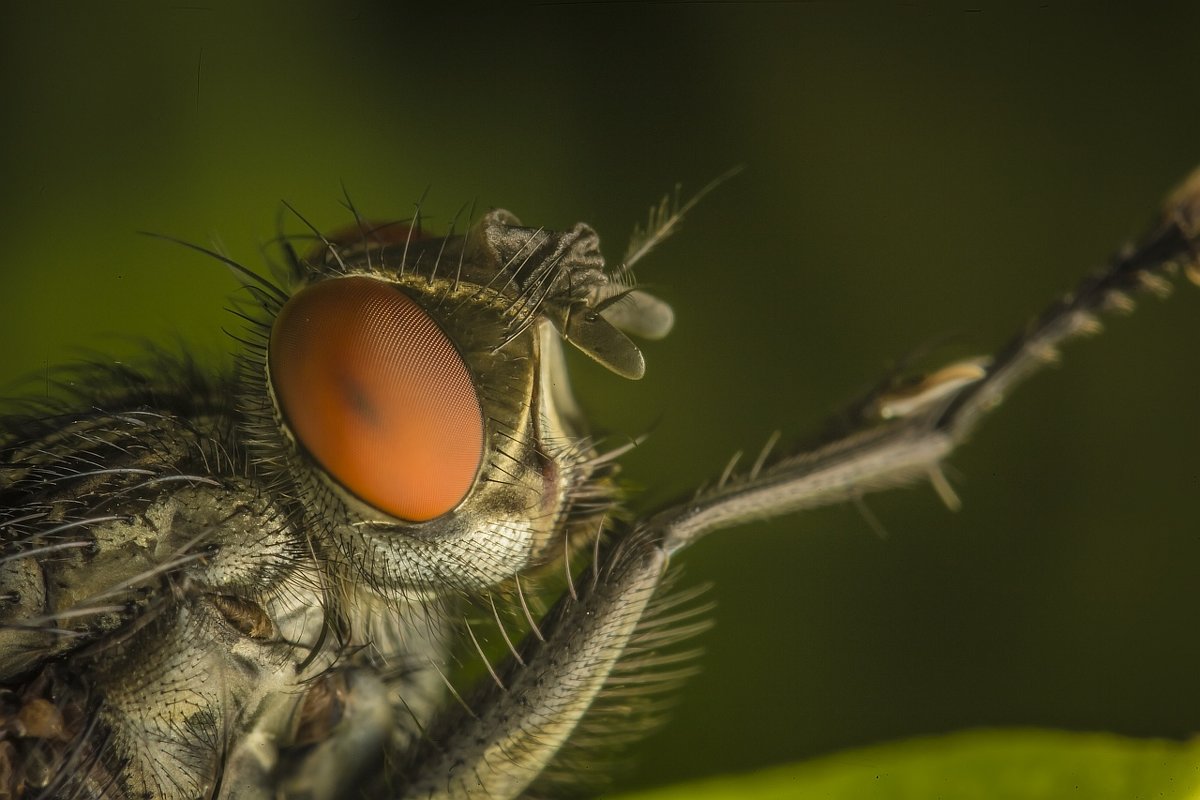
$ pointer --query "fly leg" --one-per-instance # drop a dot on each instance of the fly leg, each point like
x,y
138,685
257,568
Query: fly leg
x,y
506,734
904,434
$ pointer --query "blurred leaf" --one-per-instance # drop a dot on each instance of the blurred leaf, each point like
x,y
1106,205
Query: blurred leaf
x,y
1026,764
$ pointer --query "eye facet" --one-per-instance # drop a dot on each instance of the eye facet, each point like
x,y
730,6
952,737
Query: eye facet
x,y
377,393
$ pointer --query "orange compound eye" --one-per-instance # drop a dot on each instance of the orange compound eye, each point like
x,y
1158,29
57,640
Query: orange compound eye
x,y
376,392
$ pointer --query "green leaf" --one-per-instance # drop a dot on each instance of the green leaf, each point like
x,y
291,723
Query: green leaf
x,y
1025,764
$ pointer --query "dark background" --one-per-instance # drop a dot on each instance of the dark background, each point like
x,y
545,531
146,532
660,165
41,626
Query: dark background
x,y
913,172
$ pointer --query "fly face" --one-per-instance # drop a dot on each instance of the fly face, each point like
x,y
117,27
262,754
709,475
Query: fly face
x,y
413,391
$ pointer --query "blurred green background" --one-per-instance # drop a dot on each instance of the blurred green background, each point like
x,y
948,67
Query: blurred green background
x,y
913,172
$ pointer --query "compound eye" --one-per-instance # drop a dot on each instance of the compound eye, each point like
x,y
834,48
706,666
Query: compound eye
x,y
375,391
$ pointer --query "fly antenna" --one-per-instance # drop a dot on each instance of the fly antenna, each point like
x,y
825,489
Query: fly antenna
x,y
665,218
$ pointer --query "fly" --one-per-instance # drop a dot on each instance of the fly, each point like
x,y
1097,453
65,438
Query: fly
x,y
257,583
